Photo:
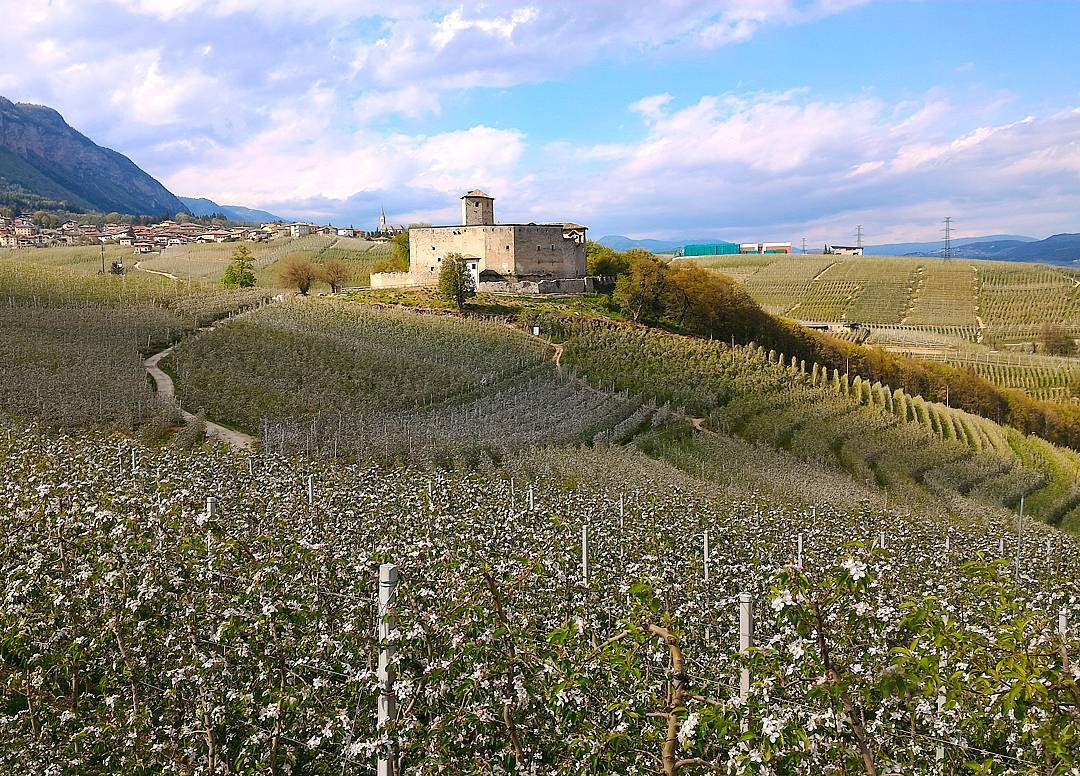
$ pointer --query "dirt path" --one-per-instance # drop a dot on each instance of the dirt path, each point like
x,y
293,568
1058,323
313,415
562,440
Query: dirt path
x,y
827,268
165,387
558,354
155,272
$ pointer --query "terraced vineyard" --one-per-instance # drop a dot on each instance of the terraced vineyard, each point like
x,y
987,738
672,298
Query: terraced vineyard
x,y
353,380
1020,298
72,346
900,443
576,548
944,294
959,311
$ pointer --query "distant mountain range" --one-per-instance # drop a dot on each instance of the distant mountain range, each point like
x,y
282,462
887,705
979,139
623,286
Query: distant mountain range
x,y
45,163
619,243
936,247
1058,249
201,206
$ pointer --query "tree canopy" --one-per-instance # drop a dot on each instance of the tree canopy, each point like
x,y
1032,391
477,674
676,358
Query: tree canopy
x,y
455,281
239,273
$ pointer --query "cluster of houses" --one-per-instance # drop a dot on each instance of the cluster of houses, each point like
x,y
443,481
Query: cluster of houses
x,y
22,232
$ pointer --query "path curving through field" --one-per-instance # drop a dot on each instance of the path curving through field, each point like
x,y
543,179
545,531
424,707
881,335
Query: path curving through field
x,y
156,272
166,388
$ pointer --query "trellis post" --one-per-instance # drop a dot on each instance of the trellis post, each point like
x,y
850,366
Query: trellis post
x,y
311,490
881,541
705,553
388,582
530,498
746,639
798,552
1019,538
211,506
585,554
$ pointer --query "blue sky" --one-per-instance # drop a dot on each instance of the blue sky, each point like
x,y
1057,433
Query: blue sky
x,y
736,119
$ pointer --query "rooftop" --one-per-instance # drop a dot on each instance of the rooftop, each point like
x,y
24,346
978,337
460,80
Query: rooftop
x,y
476,193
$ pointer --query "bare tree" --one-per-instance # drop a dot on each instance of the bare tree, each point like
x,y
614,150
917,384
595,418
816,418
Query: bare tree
x,y
298,274
335,273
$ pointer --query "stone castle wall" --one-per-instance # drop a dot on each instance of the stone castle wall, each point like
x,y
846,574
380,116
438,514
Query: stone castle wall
x,y
520,250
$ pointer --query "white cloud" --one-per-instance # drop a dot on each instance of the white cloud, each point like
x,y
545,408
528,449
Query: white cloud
x,y
781,166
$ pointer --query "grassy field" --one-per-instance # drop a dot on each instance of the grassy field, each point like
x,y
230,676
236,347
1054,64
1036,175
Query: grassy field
x,y
981,314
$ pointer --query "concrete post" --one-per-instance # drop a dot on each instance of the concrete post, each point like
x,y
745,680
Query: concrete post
x,y
1019,538
881,541
798,552
530,498
746,639
388,582
1063,624
705,553
311,490
211,506
585,554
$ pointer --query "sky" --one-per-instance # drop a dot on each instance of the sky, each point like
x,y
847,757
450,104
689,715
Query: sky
x,y
751,120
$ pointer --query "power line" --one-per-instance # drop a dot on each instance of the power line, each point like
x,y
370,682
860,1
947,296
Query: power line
x,y
804,245
858,236
948,237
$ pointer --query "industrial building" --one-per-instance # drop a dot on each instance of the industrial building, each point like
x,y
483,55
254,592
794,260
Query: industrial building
x,y
732,249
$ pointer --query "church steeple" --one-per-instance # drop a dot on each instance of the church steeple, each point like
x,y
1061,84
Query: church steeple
x,y
382,221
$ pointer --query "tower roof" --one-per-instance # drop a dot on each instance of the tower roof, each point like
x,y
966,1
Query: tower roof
x,y
476,193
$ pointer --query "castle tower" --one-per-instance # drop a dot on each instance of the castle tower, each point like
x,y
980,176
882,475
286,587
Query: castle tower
x,y
477,209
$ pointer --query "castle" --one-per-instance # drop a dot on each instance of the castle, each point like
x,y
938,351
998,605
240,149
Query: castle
x,y
527,258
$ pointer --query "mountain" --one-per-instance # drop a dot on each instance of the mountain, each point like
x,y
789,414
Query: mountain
x,y
935,248
44,162
201,206
1056,249
619,243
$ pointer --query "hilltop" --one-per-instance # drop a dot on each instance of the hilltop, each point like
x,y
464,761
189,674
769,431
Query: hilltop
x,y
46,163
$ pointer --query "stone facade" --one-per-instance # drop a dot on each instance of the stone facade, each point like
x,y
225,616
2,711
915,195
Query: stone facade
x,y
495,253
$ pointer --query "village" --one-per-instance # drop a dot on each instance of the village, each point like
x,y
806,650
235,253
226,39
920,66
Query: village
x,y
22,232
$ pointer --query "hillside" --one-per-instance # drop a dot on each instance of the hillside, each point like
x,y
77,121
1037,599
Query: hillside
x,y
45,162
566,530
201,206
1056,249
934,247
